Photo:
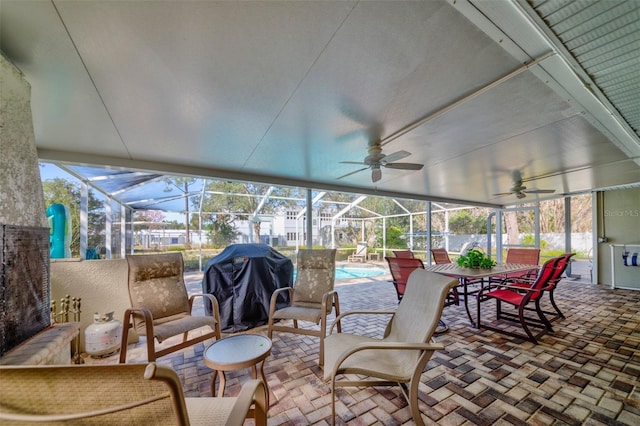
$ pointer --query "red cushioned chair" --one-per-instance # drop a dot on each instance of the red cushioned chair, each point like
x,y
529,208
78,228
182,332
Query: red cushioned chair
x,y
402,267
440,256
408,254
522,256
519,296
562,265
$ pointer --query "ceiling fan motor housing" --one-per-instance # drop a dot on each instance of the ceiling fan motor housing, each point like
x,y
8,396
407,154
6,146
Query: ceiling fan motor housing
x,y
375,155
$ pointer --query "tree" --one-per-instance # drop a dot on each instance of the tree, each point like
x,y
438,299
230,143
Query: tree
x,y
223,232
153,219
182,184
464,222
395,237
173,224
243,200
62,191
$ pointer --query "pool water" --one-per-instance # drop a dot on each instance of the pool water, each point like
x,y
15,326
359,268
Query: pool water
x,y
346,272
349,272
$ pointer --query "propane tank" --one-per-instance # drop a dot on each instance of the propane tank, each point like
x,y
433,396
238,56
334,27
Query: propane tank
x,y
102,338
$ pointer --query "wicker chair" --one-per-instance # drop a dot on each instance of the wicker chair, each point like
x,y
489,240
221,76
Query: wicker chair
x,y
401,355
161,307
141,394
312,296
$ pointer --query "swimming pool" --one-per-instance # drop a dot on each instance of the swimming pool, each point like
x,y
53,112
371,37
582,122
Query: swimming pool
x,y
347,272
350,272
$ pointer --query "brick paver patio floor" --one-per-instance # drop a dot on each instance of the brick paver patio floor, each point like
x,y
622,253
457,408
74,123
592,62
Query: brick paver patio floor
x,y
586,372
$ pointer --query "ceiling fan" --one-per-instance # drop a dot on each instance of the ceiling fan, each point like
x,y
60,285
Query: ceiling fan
x,y
521,191
376,160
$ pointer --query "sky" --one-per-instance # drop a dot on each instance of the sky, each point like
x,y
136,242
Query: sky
x,y
50,171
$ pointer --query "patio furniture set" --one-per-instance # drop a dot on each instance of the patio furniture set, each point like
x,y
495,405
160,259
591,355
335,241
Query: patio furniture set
x,y
161,308
518,282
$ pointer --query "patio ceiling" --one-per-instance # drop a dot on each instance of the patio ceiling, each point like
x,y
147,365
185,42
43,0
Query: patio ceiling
x,y
282,92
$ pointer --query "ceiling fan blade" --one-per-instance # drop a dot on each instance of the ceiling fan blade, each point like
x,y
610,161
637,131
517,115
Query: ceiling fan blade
x,y
372,130
516,175
404,166
539,191
398,155
502,194
354,172
354,162
376,174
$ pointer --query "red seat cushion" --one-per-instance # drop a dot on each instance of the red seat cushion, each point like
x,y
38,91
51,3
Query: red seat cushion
x,y
507,296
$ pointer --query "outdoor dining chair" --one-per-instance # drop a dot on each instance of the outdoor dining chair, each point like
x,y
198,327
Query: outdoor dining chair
x,y
403,253
522,256
562,265
520,296
440,256
399,358
402,267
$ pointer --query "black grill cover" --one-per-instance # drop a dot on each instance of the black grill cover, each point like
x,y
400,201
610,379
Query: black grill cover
x,y
242,278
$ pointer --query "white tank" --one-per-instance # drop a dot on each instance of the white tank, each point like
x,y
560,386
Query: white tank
x,y
103,336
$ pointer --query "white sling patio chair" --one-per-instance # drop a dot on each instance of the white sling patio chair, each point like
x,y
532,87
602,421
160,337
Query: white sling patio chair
x,y
401,355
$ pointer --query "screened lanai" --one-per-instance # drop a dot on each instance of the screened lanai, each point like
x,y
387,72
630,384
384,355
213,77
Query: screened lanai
x,y
255,212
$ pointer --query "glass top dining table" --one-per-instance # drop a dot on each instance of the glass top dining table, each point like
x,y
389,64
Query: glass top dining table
x,y
465,275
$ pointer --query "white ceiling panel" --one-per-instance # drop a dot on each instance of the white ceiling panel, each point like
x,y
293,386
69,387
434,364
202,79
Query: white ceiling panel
x,y
283,91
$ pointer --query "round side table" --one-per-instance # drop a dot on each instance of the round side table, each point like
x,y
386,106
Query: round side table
x,y
234,353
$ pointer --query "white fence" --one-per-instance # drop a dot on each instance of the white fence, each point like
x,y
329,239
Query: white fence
x,y
580,242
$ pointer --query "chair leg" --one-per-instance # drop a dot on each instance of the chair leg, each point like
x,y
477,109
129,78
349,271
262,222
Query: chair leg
x,y
336,306
270,327
323,328
151,349
412,392
543,318
413,402
333,400
523,322
456,296
553,303
125,336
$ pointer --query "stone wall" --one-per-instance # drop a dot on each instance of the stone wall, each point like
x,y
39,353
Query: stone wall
x,y
21,196
24,246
